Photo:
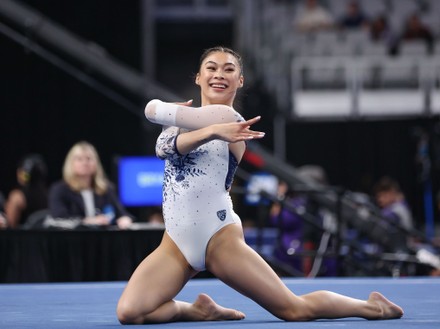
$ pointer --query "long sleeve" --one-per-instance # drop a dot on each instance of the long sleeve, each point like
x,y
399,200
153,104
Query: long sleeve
x,y
63,203
166,142
191,118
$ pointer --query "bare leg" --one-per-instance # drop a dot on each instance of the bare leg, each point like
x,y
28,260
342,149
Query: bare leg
x,y
148,296
235,263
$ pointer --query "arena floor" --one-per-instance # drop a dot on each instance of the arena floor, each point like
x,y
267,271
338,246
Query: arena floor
x,y
92,305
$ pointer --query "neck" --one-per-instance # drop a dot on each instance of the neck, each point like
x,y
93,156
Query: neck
x,y
85,181
205,101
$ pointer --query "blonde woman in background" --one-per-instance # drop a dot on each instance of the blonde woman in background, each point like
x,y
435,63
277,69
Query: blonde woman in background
x,y
85,193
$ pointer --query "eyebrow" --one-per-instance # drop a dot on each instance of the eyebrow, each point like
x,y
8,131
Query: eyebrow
x,y
212,62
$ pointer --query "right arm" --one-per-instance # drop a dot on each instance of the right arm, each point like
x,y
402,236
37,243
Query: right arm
x,y
191,118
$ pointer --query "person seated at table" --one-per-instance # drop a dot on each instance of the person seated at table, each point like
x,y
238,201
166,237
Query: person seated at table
x,y
30,195
85,193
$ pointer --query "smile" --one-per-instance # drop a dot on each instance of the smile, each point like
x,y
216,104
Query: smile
x,y
218,85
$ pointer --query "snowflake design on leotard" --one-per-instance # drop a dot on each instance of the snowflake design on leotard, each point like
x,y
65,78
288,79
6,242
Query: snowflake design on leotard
x,y
181,167
165,144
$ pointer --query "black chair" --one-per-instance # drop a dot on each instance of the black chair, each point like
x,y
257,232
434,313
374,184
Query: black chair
x,y
36,220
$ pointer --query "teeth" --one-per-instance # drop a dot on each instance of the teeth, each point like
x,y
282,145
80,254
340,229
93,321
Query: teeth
x,y
219,86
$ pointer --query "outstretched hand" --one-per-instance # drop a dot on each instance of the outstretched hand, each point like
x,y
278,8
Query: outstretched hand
x,y
237,131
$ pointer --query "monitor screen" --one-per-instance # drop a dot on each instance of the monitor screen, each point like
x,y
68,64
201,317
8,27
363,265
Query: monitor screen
x,y
140,180
258,182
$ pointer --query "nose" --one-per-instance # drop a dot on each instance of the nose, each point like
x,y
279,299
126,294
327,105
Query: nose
x,y
219,74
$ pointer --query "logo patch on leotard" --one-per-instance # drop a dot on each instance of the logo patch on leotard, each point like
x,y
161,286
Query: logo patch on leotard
x,y
221,214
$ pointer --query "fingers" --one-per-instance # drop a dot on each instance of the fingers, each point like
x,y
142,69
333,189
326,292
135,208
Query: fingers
x,y
255,134
251,134
187,103
252,121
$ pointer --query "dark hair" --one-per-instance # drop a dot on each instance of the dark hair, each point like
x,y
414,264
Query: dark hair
x,y
386,184
34,169
221,49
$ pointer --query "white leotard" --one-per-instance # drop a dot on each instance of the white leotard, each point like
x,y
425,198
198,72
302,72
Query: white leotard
x,y
196,201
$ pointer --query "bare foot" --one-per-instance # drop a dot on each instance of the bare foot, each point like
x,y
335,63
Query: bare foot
x,y
211,311
388,310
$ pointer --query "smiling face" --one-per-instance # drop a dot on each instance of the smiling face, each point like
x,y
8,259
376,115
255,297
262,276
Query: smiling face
x,y
219,78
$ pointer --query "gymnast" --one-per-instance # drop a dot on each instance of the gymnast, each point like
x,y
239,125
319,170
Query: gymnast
x,y
202,148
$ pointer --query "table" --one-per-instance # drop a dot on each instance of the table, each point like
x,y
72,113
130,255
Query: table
x,y
73,256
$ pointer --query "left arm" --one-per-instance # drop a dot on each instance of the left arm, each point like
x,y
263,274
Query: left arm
x,y
233,132
205,124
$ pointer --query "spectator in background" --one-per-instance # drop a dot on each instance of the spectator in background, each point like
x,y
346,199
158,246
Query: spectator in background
x,y
30,195
313,17
85,193
354,17
392,202
381,32
414,29
395,211
290,225
298,236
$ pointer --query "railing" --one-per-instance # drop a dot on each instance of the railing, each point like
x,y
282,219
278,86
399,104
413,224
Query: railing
x,y
365,87
362,79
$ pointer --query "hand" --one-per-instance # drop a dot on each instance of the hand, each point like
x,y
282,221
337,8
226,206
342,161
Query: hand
x,y
237,131
187,103
124,222
99,220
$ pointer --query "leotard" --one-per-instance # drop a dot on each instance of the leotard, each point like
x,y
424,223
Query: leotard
x,y
196,201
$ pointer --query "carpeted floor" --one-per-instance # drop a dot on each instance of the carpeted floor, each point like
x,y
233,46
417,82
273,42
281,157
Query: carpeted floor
x,y
92,305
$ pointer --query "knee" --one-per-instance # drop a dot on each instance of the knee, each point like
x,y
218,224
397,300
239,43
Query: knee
x,y
126,314
295,313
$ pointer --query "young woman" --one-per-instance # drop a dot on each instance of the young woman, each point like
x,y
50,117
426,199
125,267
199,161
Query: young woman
x,y
202,148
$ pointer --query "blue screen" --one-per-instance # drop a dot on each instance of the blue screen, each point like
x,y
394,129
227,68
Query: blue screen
x,y
260,181
140,181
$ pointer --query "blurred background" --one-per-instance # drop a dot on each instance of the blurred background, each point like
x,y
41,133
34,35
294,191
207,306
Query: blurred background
x,y
355,91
